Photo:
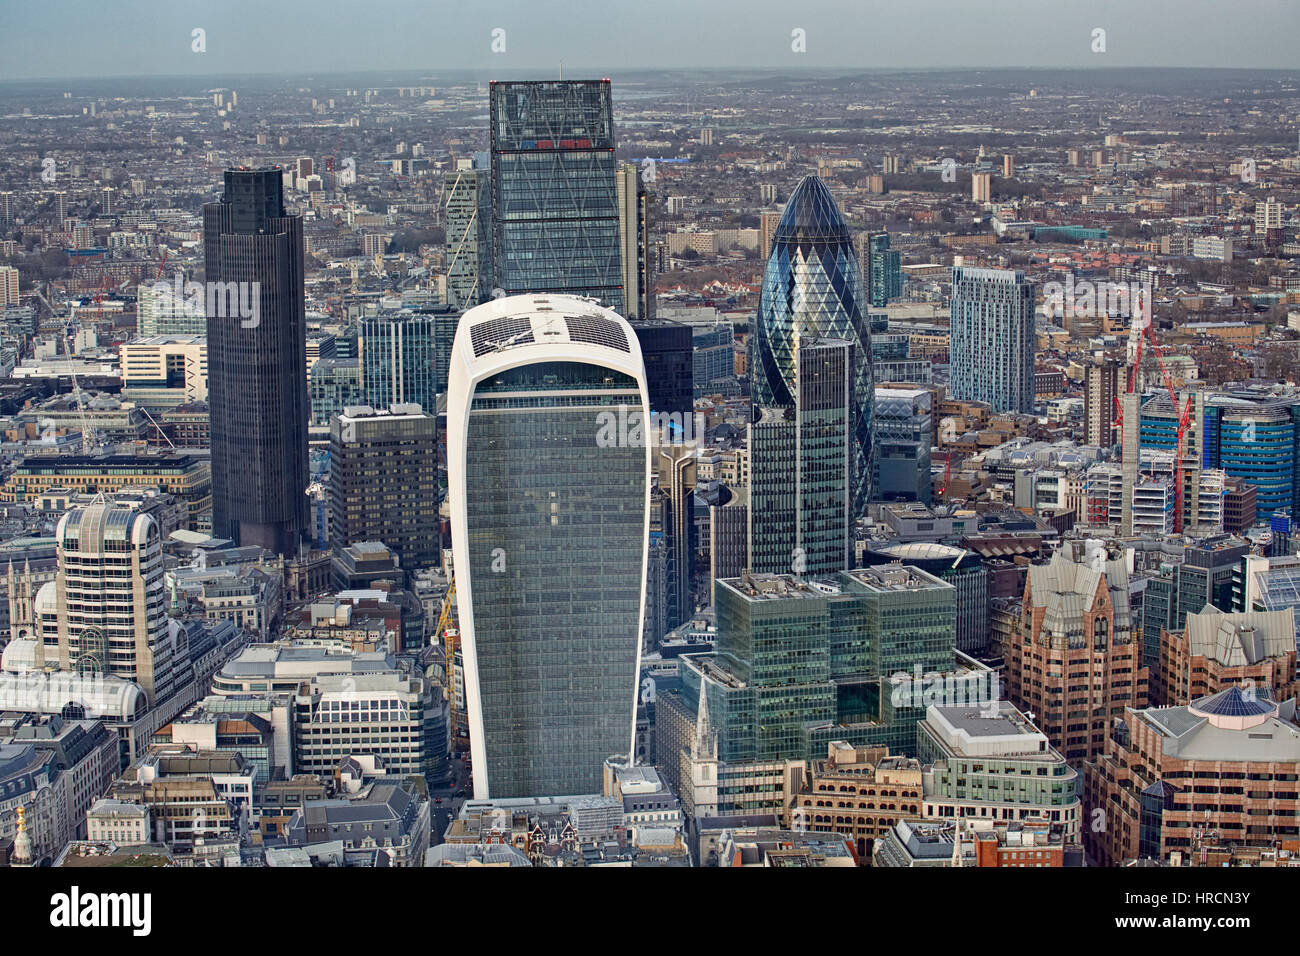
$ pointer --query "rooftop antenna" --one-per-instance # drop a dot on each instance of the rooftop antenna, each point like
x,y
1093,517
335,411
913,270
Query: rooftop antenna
x,y
561,69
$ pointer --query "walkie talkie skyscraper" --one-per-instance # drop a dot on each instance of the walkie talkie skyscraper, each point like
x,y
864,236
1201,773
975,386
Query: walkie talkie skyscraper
x,y
549,485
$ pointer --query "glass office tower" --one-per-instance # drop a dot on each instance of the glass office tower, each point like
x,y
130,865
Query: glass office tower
x,y
992,338
398,363
812,286
799,663
801,461
257,376
669,364
549,486
555,212
1246,432
468,200
900,457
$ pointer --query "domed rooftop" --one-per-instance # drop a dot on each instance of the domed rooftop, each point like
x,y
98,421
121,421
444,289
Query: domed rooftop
x,y
923,551
1234,708
19,656
812,213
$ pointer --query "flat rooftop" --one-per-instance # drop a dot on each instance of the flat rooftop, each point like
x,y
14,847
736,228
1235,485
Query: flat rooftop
x,y
896,577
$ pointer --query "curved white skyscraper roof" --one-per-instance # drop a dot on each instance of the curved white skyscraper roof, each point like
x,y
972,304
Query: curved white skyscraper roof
x,y
549,488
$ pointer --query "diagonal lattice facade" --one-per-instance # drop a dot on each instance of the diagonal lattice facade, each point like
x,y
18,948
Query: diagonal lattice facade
x,y
813,286
555,210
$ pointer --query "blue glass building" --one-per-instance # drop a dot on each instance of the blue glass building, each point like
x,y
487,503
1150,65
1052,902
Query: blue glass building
x,y
812,286
555,214
398,359
1255,439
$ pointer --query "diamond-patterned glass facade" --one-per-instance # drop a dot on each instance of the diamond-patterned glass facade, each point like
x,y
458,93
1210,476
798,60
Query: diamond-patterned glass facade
x,y
554,192
813,286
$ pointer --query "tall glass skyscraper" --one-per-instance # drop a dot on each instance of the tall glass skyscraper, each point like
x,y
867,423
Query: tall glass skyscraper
x,y
882,268
801,463
257,375
812,287
468,198
992,338
555,211
398,359
549,486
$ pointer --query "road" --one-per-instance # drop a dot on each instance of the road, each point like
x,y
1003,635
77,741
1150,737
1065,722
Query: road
x,y
446,804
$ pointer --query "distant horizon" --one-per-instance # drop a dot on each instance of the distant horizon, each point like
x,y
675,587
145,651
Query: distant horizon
x,y
606,72
70,40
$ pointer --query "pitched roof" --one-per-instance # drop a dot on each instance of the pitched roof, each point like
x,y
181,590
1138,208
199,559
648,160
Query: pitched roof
x,y
1240,638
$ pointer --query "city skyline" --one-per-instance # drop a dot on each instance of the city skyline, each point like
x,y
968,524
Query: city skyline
x,y
755,463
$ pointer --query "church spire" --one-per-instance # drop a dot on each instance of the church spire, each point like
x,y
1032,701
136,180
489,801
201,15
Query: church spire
x,y
706,738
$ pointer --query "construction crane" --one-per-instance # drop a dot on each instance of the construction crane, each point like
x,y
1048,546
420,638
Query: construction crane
x,y
449,637
947,474
1146,328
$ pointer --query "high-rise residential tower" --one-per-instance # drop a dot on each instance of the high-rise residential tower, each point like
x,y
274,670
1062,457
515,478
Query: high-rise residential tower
x,y
549,486
882,270
555,213
812,287
257,380
111,600
1100,398
992,338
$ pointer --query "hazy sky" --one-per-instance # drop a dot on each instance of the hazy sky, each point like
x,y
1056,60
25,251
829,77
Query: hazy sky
x,y
78,38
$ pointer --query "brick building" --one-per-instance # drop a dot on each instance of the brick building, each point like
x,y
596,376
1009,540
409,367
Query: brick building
x,y
1076,663
1256,649
1220,770
859,793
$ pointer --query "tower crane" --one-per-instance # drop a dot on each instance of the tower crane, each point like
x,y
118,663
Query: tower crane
x,y
1144,327
449,637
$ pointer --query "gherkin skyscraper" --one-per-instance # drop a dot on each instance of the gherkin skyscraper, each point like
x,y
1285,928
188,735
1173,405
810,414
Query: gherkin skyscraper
x,y
812,286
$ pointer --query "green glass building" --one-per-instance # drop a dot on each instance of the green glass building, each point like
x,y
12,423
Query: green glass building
x,y
802,662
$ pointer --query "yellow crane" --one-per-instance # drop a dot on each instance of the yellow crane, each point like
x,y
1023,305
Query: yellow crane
x,y
449,638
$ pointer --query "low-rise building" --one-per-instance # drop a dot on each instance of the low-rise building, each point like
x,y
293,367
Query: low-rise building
x,y
991,763
191,795
774,847
857,793
385,824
